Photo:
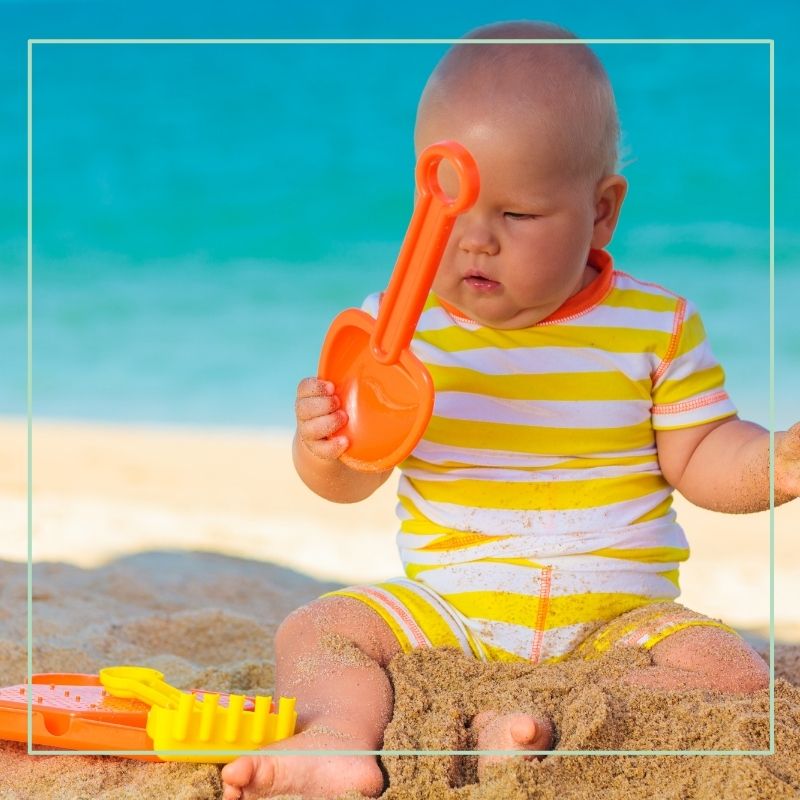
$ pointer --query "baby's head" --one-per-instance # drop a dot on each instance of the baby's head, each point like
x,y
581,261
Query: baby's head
x,y
558,91
541,121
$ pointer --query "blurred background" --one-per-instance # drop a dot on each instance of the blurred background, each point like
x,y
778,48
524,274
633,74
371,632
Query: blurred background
x,y
202,212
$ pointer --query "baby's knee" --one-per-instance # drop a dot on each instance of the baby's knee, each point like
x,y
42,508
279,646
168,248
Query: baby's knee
x,y
298,627
308,623
739,670
728,663
748,676
337,616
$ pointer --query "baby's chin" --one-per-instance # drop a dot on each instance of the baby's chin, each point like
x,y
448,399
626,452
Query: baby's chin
x,y
497,317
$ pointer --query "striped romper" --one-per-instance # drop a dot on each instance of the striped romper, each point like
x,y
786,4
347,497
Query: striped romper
x,y
535,522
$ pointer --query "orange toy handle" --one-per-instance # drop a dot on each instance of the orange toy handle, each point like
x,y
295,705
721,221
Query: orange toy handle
x,y
423,246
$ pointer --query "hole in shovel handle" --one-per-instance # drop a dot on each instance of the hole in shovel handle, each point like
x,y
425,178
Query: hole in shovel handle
x,y
427,176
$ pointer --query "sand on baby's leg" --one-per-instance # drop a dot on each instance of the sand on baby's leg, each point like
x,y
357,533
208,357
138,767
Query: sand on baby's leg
x,y
687,650
701,657
331,656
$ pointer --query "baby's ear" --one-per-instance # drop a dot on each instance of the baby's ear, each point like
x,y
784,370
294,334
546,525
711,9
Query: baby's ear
x,y
609,194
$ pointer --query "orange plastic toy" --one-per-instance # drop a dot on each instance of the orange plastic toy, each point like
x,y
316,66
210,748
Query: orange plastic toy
x,y
386,390
73,712
131,708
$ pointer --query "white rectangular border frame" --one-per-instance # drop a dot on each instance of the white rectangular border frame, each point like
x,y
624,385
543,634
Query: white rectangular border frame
x,y
769,42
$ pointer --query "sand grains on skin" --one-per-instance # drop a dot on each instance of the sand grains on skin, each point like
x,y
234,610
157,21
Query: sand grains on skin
x,y
313,776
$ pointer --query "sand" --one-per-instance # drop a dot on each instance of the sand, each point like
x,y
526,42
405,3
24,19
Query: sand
x,y
183,550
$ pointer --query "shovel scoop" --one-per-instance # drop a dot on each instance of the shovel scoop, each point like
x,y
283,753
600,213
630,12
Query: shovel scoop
x,y
384,388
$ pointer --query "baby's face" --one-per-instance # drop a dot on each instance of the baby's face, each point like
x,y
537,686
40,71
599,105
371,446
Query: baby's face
x,y
521,250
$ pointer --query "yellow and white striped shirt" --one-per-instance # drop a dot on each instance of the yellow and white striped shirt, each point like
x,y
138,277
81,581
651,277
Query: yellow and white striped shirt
x,y
538,478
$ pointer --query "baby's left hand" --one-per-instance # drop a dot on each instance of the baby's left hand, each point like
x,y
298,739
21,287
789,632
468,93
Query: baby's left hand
x,y
787,462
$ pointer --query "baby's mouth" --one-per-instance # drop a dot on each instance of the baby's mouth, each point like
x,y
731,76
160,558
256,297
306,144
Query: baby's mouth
x,y
477,280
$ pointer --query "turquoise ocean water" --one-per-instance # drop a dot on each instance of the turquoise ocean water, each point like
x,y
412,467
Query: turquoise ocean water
x,y
202,212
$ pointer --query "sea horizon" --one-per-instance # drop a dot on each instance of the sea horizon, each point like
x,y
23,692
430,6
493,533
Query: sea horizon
x,y
200,214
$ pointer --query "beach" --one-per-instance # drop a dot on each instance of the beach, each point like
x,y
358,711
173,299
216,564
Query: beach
x,y
195,218
183,548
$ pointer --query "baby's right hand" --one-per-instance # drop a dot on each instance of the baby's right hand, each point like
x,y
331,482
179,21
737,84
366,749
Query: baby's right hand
x,y
319,416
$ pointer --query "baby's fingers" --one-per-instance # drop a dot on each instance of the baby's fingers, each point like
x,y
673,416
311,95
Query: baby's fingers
x,y
314,387
328,449
315,398
308,408
787,461
790,443
321,427
317,433
319,416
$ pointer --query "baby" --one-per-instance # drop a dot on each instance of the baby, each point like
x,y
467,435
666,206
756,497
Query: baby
x,y
571,399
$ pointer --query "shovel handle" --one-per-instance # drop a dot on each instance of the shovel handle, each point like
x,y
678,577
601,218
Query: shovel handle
x,y
424,243
142,683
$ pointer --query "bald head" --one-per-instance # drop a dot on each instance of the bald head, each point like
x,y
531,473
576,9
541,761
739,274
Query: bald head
x,y
558,92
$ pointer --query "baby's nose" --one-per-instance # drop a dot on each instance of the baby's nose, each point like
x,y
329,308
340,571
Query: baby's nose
x,y
475,235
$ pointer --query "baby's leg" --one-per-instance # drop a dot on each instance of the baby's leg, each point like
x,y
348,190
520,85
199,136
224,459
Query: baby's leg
x,y
330,655
701,657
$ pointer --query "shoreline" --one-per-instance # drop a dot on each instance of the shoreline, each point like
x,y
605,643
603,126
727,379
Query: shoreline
x,y
102,491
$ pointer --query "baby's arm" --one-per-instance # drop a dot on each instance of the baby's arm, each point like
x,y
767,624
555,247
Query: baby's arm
x,y
724,465
316,450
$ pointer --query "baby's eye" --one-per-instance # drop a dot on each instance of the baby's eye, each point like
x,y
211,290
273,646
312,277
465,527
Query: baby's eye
x,y
518,215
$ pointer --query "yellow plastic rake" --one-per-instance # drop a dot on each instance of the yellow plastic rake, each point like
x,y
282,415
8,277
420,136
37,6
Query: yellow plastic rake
x,y
184,721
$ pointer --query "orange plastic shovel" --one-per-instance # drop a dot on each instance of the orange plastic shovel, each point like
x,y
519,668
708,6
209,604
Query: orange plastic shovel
x,y
386,390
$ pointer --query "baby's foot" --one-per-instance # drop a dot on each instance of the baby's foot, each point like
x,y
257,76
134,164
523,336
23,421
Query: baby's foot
x,y
251,777
510,732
